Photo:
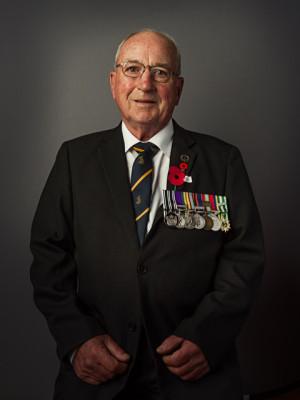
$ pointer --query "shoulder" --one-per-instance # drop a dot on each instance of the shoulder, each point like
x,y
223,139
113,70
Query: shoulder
x,y
202,138
80,151
86,145
206,145
92,139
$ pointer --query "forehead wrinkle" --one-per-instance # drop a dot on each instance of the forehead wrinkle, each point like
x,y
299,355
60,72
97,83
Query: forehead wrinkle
x,y
163,65
147,50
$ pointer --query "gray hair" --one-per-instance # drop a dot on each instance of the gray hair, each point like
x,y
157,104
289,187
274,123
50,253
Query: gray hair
x,y
165,35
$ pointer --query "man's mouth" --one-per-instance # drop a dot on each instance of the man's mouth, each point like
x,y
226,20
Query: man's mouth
x,y
145,101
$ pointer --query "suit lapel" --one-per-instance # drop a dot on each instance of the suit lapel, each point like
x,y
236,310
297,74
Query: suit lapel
x,y
182,145
114,165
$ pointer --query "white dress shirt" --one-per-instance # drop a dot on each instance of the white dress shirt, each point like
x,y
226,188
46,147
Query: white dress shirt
x,y
161,160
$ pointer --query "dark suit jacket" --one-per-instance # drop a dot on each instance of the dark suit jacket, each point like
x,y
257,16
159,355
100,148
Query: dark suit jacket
x,y
196,284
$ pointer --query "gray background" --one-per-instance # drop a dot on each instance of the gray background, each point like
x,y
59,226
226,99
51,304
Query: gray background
x,y
241,64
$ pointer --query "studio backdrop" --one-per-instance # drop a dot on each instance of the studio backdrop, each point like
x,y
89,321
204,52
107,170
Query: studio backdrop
x,y
240,60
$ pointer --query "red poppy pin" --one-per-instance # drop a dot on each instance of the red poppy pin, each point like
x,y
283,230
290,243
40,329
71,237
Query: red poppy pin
x,y
177,176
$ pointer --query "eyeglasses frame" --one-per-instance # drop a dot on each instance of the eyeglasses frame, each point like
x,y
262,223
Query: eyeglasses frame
x,y
144,69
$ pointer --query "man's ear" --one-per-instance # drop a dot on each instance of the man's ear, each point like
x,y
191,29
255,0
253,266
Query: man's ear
x,y
180,82
112,78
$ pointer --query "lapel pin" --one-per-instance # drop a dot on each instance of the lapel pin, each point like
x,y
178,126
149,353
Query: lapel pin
x,y
185,158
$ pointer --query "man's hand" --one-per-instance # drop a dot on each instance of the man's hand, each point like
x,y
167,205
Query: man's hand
x,y
99,360
183,358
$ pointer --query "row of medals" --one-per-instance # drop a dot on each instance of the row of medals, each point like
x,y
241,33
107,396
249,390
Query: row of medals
x,y
193,220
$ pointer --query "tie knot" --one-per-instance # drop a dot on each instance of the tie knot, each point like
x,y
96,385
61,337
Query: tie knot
x,y
147,147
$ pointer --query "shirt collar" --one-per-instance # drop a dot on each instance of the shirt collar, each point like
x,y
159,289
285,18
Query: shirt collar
x,y
162,139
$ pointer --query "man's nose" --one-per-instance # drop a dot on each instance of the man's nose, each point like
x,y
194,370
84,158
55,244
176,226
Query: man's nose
x,y
145,82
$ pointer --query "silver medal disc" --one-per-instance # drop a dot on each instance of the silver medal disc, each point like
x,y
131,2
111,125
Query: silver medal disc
x,y
180,221
189,221
217,223
199,221
171,219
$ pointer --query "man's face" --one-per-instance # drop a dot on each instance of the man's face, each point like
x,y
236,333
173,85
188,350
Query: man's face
x,y
146,105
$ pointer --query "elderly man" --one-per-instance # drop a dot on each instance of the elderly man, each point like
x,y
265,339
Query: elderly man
x,y
147,245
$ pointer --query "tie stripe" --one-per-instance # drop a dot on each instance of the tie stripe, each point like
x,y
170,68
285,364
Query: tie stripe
x,y
138,149
141,185
142,214
141,178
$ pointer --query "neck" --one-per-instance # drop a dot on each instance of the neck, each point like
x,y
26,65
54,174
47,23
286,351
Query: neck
x,y
145,132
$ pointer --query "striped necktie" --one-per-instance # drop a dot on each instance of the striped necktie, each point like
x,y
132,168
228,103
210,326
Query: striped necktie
x,y
141,185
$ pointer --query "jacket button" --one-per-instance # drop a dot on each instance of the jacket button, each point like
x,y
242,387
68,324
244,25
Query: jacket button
x,y
132,326
142,269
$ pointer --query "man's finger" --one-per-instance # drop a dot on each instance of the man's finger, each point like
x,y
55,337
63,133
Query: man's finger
x,y
116,350
176,359
108,365
196,374
99,371
169,345
182,370
189,372
90,381
90,376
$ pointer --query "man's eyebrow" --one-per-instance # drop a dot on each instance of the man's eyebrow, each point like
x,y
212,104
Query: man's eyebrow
x,y
134,61
165,65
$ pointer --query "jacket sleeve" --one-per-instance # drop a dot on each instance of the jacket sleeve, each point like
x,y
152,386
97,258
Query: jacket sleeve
x,y
219,317
54,270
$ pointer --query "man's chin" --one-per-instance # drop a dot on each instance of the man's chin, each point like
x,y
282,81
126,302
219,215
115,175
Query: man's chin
x,y
145,118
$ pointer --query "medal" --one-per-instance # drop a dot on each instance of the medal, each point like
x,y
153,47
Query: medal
x,y
180,221
208,223
221,205
216,222
189,221
171,219
225,225
199,221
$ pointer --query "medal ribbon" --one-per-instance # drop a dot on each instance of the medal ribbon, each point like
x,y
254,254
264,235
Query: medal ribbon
x,y
222,206
169,202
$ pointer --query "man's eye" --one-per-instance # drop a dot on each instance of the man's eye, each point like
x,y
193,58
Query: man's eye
x,y
160,72
133,69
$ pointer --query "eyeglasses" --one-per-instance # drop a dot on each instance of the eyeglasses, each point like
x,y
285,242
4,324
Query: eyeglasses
x,y
135,70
